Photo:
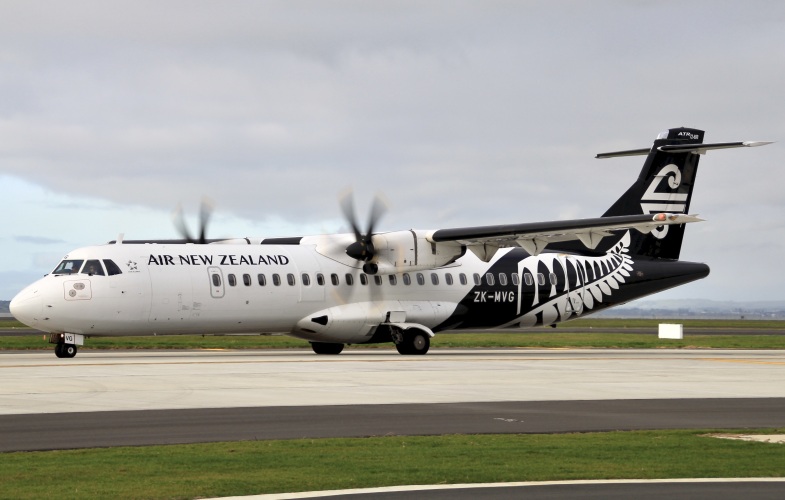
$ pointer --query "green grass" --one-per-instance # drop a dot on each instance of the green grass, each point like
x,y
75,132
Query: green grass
x,y
442,340
613,337
244,468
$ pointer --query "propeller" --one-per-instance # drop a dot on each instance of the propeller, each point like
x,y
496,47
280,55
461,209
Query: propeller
x,y
362,248
205,211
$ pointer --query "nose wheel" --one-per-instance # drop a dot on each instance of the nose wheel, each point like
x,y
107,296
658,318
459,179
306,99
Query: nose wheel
x,y
63,350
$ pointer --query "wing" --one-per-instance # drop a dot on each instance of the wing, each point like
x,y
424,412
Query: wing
x,y
535,236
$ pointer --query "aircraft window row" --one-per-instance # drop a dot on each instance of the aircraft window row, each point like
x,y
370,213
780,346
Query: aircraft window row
x,y
349,278
92,267
528,279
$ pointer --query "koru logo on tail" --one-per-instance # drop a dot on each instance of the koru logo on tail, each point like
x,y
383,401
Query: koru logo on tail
x,y
658,199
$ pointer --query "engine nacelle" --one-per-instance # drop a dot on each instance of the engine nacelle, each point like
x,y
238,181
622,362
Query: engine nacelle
x,y
403,251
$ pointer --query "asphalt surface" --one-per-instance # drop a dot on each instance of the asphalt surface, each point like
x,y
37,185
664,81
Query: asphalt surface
x,y
28,432
720,490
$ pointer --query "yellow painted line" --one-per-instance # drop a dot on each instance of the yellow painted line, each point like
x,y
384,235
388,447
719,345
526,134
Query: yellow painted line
x,y
345,360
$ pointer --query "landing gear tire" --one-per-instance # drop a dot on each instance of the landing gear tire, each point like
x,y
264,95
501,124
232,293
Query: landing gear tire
x,y
69,350
65,350
326,348
414,342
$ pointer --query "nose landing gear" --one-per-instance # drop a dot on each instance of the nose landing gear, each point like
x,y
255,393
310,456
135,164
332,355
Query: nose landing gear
x,y
63,350
65,344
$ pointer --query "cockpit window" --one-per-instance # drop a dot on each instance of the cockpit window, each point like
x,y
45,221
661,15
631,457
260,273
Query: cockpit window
x,y
93,268
68,267
111,267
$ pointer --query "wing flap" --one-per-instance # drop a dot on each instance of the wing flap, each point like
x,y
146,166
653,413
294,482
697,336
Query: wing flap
x,y
535,236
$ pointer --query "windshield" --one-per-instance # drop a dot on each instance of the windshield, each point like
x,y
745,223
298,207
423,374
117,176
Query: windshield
x,y
68,267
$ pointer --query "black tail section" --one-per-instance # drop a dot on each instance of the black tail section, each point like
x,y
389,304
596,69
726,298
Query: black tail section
x,y
664,185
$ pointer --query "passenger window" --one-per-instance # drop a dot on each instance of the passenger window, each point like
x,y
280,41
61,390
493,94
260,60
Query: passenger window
x,y
306,279
93,268
462,278
393,279
334,279
276,280
434,278
541,279
363,279
216,280
502,279
448,278
477,280
232,280
378,280
420,279
247,279
262,280
349,279
112,269
320,279
516,279
290,279
489,279
552,277
407,280
527,278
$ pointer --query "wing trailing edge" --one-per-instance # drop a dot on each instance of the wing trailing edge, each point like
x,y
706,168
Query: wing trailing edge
x,y
535,236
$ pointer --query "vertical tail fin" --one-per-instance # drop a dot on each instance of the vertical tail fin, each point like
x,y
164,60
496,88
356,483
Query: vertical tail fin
x,y
664,185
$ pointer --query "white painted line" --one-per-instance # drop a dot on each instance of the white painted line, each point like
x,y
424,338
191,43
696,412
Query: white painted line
x,y
426,487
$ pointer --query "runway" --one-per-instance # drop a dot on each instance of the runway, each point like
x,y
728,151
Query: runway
x,y
140,398
112,398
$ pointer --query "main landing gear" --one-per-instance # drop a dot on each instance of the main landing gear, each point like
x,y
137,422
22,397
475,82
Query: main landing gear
x,y
326,348
411,342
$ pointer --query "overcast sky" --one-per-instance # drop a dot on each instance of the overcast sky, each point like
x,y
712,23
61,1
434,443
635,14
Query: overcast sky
x,y
461,113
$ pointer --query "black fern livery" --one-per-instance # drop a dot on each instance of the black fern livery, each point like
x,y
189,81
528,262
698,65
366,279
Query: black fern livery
x,y
564,282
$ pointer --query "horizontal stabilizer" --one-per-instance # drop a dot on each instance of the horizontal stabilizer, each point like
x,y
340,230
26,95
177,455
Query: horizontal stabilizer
x,y
702,148
684,148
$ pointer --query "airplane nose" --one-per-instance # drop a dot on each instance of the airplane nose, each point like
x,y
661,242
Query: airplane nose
x,y
26,307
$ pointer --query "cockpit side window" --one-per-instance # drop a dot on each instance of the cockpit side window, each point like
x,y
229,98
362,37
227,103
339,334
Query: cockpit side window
x,y
68,267
112,268
93,268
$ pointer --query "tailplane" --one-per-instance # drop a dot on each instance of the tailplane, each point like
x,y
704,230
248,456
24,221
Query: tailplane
x,y
664,186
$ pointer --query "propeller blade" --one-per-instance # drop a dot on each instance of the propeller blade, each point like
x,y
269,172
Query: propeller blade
x,y
179,223
205,211
347,206
377,211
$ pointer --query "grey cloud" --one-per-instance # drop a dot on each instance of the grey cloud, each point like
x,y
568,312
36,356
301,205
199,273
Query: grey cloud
x,y
37,240
463,113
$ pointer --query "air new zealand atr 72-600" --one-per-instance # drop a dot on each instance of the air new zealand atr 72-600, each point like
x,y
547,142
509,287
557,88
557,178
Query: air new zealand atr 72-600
x,y
371,287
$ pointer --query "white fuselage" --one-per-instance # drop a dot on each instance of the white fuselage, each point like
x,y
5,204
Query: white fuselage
x,y
230,288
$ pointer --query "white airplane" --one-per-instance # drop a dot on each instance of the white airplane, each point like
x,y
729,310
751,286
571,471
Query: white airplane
x,y
367,287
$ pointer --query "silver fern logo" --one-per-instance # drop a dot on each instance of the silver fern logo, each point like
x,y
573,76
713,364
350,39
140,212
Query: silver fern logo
x,y
586,281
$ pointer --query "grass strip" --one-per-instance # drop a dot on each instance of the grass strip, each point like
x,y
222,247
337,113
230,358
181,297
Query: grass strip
x,y
613,337
244,468
454,340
